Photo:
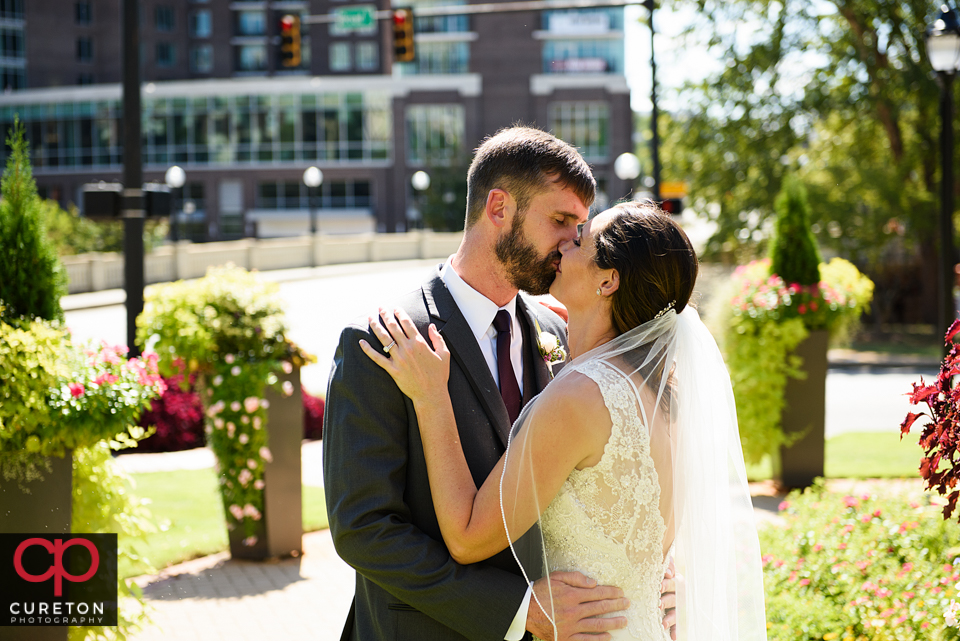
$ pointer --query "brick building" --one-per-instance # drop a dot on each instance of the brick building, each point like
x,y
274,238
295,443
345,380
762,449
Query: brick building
x,y
218,102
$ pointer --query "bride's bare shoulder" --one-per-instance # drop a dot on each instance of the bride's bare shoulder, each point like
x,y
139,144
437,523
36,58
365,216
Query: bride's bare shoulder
x,y
574,399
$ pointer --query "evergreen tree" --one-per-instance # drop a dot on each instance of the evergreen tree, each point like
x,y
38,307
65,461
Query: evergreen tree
x,y
794,254
32,279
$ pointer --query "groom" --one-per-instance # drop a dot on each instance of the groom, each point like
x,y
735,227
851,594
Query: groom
x,y
527,192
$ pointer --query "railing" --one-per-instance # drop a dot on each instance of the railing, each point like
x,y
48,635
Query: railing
x,y
95,271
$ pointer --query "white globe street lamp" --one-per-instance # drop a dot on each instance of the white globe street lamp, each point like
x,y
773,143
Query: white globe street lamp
x,y
420,181
175,178
943,50
312,178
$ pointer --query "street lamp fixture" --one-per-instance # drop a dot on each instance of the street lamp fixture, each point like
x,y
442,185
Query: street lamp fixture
x,y
175,178
420,181
627,168
943,50
312,178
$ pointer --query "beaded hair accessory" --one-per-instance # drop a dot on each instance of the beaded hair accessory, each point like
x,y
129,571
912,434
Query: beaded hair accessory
x,y
665,309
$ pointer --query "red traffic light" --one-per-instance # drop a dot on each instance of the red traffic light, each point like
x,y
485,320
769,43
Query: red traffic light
x,y
673,206
286,23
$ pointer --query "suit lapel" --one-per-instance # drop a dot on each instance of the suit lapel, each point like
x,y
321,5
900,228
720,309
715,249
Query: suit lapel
x,y
466,352
526,311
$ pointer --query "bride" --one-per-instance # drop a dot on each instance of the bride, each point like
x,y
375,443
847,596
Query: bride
x,y
629,457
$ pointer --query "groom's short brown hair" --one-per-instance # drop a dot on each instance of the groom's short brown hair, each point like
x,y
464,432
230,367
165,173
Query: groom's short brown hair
x,y
523,161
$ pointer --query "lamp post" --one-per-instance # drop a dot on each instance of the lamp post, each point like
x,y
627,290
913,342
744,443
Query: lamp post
x,y
943,49
312,178
627,168
175,178
420,181
650,5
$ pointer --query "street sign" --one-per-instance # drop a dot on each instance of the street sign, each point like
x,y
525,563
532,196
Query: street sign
x,y
360,18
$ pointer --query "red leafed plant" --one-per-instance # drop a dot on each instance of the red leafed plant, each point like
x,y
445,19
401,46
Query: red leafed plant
x,y
940,465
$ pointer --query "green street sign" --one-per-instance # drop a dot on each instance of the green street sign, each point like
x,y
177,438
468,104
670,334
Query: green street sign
x,y
360,18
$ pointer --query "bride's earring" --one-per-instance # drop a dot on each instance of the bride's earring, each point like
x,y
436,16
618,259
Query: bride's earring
x,y
598,292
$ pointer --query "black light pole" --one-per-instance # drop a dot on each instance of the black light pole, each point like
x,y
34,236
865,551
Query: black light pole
x,y
943,49
132,201
654,129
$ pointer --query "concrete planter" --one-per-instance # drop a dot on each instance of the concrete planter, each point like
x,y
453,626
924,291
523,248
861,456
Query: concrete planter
x,y
803,414
46,509
280,531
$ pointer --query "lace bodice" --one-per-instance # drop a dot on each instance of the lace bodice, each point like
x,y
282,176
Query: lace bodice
x,y
606,521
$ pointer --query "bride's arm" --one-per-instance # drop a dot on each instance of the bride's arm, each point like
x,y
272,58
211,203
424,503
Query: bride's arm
x,y
470,519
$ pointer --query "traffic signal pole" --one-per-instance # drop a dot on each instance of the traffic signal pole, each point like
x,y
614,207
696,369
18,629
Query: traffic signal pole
x,y
132,199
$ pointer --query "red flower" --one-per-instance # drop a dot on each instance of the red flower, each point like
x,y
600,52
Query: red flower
x,y
77,389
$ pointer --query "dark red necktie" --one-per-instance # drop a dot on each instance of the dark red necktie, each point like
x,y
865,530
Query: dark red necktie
x,y
509,389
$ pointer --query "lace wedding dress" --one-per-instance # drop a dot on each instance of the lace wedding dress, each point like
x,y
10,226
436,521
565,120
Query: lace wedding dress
x,y
606,521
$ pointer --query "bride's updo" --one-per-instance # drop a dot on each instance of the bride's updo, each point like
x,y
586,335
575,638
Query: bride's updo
x,y
655,260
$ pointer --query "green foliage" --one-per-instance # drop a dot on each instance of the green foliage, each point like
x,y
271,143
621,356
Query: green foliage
x,y
765,320
854,121
55,397
32,280
228,327
861,567
103,503
794,255
72,234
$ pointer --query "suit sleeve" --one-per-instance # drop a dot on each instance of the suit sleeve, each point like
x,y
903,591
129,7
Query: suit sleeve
x,y
364,460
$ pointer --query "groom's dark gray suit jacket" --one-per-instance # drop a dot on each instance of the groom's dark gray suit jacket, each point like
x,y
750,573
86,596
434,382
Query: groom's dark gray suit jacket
x,y
378,496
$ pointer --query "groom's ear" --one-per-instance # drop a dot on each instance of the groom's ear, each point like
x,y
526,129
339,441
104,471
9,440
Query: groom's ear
x,y
500,206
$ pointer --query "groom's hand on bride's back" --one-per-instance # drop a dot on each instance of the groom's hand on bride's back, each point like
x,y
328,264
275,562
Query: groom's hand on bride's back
x,y
578,603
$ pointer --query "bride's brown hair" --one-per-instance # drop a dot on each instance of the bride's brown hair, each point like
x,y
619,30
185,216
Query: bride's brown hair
x,y
654,258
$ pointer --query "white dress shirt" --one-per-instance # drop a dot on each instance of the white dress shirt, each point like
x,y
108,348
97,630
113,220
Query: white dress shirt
x,y
479,312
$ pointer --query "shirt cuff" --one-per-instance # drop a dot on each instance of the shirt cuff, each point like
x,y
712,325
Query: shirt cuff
x,y
519,625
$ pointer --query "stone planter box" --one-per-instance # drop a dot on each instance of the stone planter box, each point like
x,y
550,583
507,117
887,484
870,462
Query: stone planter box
x,y
46,509
803,415
280,531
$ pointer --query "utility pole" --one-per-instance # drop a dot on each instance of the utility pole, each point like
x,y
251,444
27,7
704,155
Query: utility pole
x,y
132,199
654,129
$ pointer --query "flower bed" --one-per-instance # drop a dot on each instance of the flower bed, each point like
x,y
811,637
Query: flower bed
x,y
860,567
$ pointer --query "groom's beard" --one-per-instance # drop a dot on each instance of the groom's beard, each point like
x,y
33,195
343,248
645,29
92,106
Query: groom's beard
x,y
526,269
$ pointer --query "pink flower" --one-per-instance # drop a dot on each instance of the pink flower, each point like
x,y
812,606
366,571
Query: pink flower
x,y
804,581
250,541
265,454
251,464
236,511
802,309
77,389
850,501
244,477
106,379
813,306
251,404
783,505
258,484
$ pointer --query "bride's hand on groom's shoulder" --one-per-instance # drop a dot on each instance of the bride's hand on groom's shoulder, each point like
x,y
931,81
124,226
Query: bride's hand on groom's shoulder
x,y
420,371
578,603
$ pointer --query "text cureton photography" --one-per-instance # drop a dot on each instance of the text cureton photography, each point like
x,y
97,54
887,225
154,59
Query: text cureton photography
x,y
58,579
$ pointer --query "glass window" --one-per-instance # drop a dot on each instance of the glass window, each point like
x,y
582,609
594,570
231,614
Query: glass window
x,y
585,125
334,194
85,79
84,13
12,9
440,24
434,133
84,50
164,18
583,56
368,56
340,57
200,24
201,58
251,23
11,43
251,57
438,57
166,54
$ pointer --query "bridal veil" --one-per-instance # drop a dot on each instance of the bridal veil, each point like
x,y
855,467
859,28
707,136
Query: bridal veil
x,y
675,386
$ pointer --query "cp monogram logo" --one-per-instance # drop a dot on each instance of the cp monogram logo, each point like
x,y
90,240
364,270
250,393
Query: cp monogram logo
x,y
56,570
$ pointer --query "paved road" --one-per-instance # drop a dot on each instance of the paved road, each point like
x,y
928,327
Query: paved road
x,y
322,300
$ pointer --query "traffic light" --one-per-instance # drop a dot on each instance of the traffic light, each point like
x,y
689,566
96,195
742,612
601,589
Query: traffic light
x,y
672,206
403,50
290,41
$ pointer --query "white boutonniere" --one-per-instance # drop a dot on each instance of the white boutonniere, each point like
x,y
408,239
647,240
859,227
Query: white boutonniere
x,y
550,349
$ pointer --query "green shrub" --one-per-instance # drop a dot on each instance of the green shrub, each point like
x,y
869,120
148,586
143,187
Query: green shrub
x,y
72,234
32,280
228,327
794,254
858,568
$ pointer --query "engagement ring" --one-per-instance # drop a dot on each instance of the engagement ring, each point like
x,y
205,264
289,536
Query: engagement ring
x,y
386,350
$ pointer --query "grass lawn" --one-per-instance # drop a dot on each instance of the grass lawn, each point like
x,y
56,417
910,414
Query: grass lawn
x,y
186,505
862,455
